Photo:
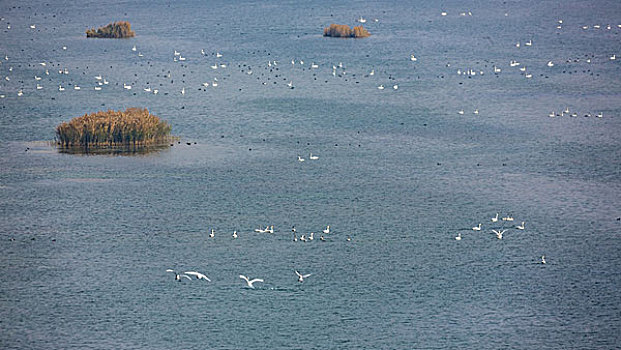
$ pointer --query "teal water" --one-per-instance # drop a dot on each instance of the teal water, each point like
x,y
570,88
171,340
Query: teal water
x,y
86,239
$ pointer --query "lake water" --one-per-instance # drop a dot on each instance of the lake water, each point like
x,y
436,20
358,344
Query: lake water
x,y
86,239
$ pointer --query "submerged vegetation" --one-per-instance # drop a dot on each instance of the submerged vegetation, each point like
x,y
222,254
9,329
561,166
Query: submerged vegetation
x,y
344,31
133,127
113,30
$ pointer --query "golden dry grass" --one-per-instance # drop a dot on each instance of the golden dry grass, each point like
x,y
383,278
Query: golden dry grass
x,y
117,30
344,31
113,128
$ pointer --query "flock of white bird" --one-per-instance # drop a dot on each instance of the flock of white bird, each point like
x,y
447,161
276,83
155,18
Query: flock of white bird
x,y
500,231
302,238
338,70
191,275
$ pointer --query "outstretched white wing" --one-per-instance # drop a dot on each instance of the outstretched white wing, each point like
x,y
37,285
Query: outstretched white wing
x,y
297,273
244,278
255,280
186,276
170,270
305,276
198,275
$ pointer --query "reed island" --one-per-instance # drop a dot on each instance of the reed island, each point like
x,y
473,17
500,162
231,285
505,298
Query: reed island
x,y
344,31
130,128
116,30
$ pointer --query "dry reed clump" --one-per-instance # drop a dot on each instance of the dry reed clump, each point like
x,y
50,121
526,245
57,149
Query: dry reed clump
x,y
113,30
113,128
344,31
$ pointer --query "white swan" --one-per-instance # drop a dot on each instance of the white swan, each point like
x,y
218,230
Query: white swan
x,y
477,228
147,89
507,218
39,87
550,64
327,230
520,227
312,157
300,159
461,112
60,88
312,236
302,277
413,58
381,87
97,88
127,87
529,43
495,218
499,233
198,275
249,281
458,238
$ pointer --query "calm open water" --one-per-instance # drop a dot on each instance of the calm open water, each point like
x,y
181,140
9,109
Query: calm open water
x,y
86,239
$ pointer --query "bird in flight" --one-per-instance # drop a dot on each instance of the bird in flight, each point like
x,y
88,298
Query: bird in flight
x,y
199,276
249,281
302,277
